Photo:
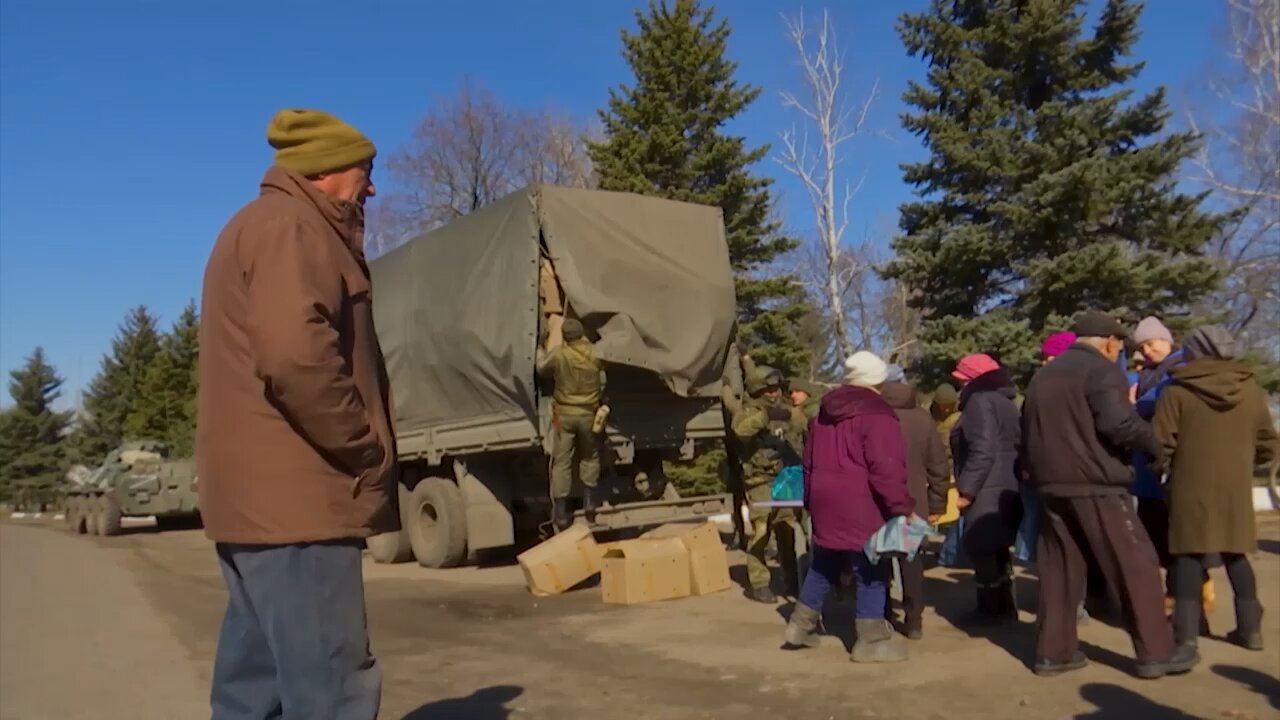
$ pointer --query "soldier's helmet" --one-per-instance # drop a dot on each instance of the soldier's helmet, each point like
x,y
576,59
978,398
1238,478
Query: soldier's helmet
x,y
764,378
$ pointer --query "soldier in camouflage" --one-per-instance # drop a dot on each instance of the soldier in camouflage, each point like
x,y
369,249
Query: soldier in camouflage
x,y
769,429
579,386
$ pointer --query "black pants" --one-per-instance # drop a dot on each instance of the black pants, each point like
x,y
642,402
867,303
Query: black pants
x,y
1107,528
1187,571
912,590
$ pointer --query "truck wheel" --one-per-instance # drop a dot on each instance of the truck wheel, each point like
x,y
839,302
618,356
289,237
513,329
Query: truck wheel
x,y
393,547
109,517
73,515
437,523
89,511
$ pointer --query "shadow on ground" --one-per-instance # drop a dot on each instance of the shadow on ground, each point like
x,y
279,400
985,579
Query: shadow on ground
x,y
485,704
1259,682
1114,701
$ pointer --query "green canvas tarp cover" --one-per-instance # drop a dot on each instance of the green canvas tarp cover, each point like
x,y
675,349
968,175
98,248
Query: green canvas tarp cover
x,y
457,309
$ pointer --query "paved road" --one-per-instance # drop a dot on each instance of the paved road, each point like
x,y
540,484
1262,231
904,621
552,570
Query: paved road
x,y
80,639
132,620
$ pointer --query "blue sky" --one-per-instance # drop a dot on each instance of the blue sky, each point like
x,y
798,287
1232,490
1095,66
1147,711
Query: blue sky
x,y
130,130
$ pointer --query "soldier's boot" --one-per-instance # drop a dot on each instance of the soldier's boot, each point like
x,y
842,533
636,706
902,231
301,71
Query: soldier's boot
x,y
763,595
802,628
877,642
589,504
560,517
1248,632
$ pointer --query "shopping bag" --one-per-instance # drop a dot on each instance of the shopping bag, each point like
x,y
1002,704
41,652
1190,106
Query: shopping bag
x,y
1024,546
952,553
900,537
788,484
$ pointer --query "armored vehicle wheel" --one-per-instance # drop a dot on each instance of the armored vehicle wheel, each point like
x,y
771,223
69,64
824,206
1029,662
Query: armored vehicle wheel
x,y
436,522
110,516
393,547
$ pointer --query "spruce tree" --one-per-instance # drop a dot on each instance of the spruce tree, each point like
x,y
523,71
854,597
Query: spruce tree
x,y
1049,189
164,409
32,441
663,136
117,389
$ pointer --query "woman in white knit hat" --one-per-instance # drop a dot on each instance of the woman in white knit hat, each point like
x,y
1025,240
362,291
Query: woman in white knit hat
x,y
855,479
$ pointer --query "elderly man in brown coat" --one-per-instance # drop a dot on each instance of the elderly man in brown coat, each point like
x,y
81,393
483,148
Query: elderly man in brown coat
x,y
1215,427
294,443
928,476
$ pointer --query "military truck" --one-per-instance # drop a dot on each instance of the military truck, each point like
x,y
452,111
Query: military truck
x,y
135,479
461,312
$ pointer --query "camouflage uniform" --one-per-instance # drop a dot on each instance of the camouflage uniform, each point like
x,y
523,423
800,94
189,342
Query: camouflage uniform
x,y
579,385
770,435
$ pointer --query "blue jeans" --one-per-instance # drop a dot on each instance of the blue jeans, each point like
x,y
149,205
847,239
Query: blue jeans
x,y
294,644
871,590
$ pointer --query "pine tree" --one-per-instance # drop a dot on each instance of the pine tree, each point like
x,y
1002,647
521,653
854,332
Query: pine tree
x,y
117,389
663,137
32,441
164,409
1047,191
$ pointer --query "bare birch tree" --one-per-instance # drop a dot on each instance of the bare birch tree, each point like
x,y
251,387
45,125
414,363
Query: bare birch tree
x,y
835,122
1239,162
472,150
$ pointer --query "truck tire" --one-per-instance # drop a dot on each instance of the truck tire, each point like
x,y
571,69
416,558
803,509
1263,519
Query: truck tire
x,y
437,523
109,517
74,523
393,547
89,511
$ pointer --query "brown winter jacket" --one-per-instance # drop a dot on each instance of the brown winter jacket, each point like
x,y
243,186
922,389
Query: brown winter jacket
x,y
294,439
928,469
1214,425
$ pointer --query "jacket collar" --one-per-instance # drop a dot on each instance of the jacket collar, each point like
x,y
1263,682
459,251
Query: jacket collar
x,y
345,217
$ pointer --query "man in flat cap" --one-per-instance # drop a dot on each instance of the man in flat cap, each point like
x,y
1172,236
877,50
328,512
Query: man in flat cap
x,y
294,442
1079,431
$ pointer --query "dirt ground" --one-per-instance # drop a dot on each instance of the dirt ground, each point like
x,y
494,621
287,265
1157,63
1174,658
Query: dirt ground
x,y
126,627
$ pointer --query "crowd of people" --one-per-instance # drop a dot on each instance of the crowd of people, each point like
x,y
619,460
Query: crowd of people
x,y
1121,486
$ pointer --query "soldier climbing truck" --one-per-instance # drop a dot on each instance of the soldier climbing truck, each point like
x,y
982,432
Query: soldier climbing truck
x,y
461,312
135,479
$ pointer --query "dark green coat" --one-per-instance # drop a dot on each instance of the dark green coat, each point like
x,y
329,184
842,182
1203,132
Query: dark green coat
x,y
1215,427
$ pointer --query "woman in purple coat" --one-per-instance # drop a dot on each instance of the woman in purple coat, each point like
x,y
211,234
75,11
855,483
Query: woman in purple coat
x,y
855,479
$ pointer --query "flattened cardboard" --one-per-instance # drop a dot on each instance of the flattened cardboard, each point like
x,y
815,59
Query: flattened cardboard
x,y
561,562
708,561
643,570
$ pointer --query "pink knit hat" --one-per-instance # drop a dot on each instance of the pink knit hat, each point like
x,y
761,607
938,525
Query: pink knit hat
x,y
1057,343
975,365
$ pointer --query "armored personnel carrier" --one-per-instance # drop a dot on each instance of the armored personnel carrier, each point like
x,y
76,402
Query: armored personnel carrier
x,y
137,479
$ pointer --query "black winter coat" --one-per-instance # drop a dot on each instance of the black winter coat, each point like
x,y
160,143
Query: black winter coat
x,y
1079,427
984,446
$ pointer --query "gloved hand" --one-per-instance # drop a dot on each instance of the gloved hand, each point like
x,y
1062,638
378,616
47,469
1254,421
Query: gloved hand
x,y
778,413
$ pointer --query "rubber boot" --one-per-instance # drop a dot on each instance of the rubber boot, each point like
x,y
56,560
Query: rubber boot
x,y
877,642
1186,623
802,628
1184,658
589,504
1248,632
1005,601
913,626
560,517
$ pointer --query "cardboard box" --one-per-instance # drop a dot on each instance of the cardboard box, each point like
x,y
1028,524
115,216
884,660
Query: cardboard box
x,y
640,571
708,561
560,562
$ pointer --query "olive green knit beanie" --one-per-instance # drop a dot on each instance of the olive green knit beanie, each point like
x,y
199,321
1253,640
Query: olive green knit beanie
x,y
311,142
